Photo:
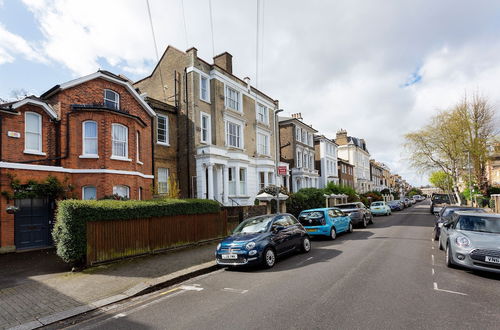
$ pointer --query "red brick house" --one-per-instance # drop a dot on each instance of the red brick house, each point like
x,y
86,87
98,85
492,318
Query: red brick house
x,y
93,133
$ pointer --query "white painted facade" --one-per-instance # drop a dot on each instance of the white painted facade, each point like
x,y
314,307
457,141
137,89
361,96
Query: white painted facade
x,y
328,160
361,161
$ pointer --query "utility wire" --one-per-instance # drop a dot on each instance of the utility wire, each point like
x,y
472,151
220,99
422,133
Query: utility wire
x,y
212,27
262,39
156,50
185,25
257,47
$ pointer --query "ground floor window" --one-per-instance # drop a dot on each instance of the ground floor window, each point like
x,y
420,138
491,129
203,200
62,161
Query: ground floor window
x,y
232,181
262,180
162,180
243,181
122,191
89,192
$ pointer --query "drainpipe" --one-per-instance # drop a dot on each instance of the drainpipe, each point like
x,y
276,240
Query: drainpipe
x,y
153,129
277,157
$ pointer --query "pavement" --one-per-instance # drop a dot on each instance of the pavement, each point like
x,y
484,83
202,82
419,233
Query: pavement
x,y
388,276
38,289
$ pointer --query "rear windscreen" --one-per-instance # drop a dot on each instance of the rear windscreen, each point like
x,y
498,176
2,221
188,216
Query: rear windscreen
x,y
313,218
441,199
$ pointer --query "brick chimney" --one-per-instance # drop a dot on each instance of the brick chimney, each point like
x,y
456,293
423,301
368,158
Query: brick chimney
x,y
297,115
341,138
193,55
224,61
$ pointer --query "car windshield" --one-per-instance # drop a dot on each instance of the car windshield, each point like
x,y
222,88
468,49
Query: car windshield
x,y
347,206
312,218
254,225
377,203
394,203
448,212
479,224
441,199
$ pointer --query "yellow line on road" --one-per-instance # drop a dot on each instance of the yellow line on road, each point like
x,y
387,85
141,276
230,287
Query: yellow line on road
x,y
168,291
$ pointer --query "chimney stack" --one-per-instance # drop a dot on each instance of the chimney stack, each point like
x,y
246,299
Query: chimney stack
x,y
297,115
341,138
224,61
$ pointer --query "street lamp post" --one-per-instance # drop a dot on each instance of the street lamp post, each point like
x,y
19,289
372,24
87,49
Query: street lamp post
x,y
276,156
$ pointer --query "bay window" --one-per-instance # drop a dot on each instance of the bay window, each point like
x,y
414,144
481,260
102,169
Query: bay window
x,y
90,138
120,141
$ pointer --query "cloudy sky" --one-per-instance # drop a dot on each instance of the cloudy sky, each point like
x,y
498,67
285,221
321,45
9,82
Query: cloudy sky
x,y
376,68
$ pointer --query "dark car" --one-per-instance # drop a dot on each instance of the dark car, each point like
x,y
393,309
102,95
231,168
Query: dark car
x,y
359,214
259,240
446,213
438,201
396,205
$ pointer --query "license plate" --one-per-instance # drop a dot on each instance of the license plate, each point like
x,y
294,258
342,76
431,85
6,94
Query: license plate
x,y
311,230
492,259
229,256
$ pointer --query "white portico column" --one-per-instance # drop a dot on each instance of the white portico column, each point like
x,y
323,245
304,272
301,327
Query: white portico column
x,y
237,180
219,183
210,181
203,176
266,179
226,185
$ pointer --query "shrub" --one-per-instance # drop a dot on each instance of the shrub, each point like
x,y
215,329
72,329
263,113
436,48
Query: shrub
x,y
332,188
69,232
307,198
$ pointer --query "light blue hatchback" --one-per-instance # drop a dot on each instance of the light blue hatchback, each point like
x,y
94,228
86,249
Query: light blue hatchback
x,y
325,222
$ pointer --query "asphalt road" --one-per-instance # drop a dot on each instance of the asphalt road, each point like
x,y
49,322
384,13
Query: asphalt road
x,y
388,276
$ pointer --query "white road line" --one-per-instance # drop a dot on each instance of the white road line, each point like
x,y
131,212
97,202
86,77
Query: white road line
x,y
448,291
432,259
433,247
117,316
433,272
193,287
309,258
235,290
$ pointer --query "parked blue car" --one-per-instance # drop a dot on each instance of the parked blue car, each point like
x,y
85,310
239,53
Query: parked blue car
x,y
261,239
325,222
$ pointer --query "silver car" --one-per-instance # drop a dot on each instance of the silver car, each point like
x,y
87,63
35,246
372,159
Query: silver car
x,y
472,240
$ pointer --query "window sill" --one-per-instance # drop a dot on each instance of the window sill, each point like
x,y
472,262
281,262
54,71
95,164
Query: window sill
x,y
121,158
238,112
89,156
139,162
35,152
163,144
207,102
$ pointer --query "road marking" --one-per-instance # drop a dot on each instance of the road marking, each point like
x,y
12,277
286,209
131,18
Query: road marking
x,y
168,291
235,290
448,291
433,272
194,287
117,316
432,259
433,247
309,258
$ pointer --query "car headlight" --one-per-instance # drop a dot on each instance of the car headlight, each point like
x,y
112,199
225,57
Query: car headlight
x,y
218,246
462,241
250,245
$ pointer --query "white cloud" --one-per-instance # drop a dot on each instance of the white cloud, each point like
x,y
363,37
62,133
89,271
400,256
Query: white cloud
x,y
12,45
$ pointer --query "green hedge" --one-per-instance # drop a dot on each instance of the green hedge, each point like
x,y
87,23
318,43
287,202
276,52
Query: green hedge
x,y
69,232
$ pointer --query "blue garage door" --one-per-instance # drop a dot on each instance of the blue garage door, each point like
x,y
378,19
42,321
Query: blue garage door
x,y
33,223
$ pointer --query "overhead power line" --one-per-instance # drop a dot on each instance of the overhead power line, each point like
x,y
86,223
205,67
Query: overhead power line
x,y
185,24
212,27
156,50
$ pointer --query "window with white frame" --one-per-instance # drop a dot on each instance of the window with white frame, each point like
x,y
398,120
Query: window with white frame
x,y
311,139
162,130
298,134
306,165
232,99
111,99
299,159
270,177
304,137
119,138
204,88
205,128
262,180
162,180
138,146
90,138
262,144
32,132
89,192
232,181
311,162
233,134
243,181
122,191
262,115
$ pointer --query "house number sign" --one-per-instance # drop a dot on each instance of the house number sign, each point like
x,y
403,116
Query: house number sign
x,y
12,134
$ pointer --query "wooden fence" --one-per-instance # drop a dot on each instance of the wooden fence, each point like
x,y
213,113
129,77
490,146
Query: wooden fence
x,y
110,240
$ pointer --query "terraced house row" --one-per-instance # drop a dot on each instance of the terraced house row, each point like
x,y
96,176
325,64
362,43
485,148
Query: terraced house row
x,y
190,122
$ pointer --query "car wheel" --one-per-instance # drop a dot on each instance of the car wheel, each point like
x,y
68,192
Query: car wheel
x,y
350,229
333,233
305,246
449,258
364,223
269,258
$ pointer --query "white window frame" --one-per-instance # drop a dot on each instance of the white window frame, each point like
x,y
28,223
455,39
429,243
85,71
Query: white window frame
x,y
84,138
265,115
138,147
208,129
127,188
231,181
298,134
40,146
118,157
207,79
163,185
299,159
83,192
239,103
267,139
116,102
240,136
242,183
262,180
167,130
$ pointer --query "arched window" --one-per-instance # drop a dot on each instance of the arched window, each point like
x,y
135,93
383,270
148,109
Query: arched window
x,y
90,138
111,99
32,133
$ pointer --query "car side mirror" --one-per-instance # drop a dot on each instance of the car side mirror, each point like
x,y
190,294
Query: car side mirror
x,y
447,224
278,228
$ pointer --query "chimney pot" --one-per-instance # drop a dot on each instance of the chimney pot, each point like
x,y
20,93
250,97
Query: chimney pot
x,y
224,61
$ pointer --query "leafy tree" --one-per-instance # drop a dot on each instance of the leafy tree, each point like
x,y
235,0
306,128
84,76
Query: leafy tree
x,y
306,198
332,188
441,180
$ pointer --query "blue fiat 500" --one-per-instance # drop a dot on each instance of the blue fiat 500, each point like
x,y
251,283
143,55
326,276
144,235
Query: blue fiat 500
x,y
325,222
261,240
